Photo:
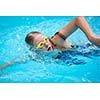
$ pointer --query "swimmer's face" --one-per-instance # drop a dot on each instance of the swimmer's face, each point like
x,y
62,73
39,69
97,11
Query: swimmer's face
x,y
41,42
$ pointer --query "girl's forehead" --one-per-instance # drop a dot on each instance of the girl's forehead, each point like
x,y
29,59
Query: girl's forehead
x,y
38,38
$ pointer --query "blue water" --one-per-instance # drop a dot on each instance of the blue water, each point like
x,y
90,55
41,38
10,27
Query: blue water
x,y
80,65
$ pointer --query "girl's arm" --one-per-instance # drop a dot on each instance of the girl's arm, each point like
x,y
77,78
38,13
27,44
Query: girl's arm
x,y
79,22
15,61
7,64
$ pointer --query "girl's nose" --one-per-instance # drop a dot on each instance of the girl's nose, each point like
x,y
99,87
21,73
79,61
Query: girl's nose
x,y
46,45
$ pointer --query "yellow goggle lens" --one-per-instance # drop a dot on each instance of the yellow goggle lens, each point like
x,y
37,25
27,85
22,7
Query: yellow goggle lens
x,y
41,44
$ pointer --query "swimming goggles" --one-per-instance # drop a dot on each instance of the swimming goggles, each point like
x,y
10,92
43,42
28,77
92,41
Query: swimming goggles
x,y
42,43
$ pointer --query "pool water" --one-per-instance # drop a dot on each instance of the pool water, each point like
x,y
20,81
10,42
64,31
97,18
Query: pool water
x,y
80,65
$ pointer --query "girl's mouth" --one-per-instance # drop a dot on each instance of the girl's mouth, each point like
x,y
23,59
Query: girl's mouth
x,y
49,48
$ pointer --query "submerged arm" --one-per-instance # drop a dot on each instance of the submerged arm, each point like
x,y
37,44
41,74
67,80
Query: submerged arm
x,y
15,61
7,64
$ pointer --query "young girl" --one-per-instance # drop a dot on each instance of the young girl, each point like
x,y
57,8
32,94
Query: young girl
x,y
58,41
